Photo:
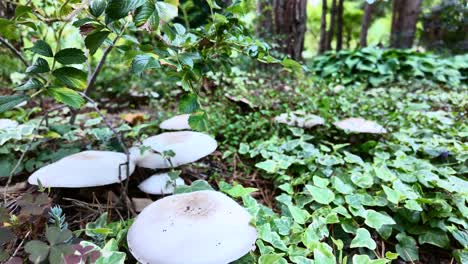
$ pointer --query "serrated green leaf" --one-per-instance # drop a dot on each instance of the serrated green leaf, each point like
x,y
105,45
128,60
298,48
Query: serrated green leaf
x,y
42,48
143,62
94,40
66,96
188,103
7,102
198,121
117,9
39,66
32,83
363,239
147,13
72,77
97,7
70,56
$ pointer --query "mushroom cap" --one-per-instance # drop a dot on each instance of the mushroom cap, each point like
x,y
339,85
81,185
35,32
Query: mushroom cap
x,y
178,122
300,119
360,125
159,184
8,123
203,227
84,169
188,147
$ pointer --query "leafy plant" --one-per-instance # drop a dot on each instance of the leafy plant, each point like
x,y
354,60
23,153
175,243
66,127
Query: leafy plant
x,y
54,251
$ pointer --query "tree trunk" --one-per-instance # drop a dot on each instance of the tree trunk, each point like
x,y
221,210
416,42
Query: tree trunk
x,y
339,26
366,19
331,31
404,18
323,28
284,22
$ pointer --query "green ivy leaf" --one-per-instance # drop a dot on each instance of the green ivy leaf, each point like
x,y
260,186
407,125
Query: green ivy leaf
x,y
7,102
269,166
143,62
363,239
42,48
97,7
376,220
407,247
117,9
72,77
299,215
66,96
365,259
188,103
94,40
70,56
392,195
39,66
321,195
434,237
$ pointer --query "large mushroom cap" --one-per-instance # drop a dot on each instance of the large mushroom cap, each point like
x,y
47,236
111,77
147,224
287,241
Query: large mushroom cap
x,y
188,147
159,184
360,125
203,227
8,123
179,122
300,119
84,169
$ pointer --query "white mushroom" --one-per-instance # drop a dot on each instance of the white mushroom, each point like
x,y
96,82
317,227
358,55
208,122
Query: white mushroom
x,y
178,122
203,227
160,184
360,125
84,169
8,123
300,119
188,147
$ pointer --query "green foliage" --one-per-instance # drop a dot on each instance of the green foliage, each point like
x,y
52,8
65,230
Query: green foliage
x,y
373,66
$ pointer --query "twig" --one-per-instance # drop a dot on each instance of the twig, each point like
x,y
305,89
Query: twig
x,y
14,50
20,245
34,134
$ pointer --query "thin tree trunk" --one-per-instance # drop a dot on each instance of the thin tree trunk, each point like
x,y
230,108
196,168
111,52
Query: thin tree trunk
x,y
331,31
339,26
323,28
290,26
366,19
404,18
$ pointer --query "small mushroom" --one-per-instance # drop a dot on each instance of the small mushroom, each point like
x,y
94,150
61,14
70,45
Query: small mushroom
x,y
8,123
188,147
85,169
178,122
300,119
360,125
202,227
159,184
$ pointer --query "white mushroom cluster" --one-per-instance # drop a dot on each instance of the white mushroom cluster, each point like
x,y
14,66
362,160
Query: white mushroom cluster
x,y
202,227
360,125
300,119
160,184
